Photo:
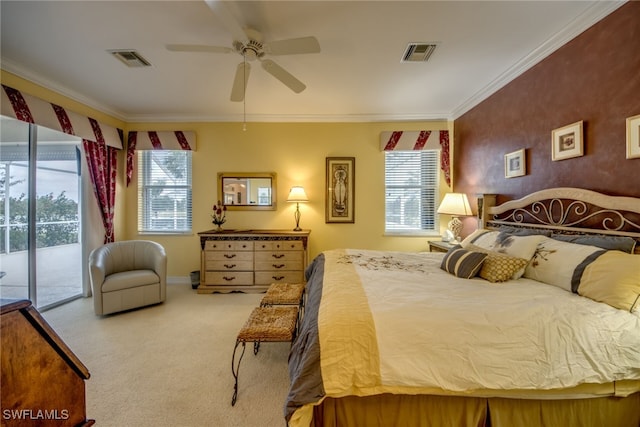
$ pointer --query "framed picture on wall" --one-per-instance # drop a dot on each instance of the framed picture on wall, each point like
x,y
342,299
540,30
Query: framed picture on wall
x,y
515,164
340,197
633,137
566,142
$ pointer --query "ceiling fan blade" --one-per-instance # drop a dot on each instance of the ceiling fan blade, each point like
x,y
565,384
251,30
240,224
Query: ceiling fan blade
x,y
240,82
198,48
227,20
293,46
283,75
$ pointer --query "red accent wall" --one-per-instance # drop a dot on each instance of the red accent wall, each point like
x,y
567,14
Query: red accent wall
x,y
595,78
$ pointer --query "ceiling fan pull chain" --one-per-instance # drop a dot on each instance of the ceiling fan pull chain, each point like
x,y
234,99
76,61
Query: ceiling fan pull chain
x,y
244,95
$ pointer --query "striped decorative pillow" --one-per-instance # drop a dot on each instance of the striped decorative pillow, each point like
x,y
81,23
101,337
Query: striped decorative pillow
x,y
462,263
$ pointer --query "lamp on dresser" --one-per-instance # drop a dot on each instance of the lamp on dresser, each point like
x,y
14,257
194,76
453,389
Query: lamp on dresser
x,y
297,195
456,204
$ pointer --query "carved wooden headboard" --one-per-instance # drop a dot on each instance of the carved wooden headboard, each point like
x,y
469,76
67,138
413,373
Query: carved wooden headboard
x,y
567,211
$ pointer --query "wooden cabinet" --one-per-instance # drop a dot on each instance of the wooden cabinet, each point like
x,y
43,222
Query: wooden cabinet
x,y
43,382
251,260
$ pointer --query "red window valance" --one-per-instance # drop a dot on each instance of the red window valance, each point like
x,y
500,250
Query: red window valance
x,y
420,140
32,109
157,140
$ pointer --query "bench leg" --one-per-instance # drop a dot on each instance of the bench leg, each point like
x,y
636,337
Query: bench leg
x,y
235,370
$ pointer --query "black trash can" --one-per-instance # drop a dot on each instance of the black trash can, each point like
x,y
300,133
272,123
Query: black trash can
x,y
195,279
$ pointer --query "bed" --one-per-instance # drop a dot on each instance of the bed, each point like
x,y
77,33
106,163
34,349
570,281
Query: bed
x,y
533,320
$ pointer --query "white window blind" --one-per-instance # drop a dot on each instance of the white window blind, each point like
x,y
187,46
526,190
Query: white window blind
x,y
411,191
164,191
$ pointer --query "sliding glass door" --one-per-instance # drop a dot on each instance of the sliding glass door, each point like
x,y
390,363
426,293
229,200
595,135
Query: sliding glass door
x,y
41,250
14,218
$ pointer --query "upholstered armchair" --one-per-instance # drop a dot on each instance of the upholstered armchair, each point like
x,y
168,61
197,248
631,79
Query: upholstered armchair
x,y
127,274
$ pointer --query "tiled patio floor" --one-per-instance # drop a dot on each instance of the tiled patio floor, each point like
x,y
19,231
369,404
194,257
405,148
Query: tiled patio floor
x,y
59,274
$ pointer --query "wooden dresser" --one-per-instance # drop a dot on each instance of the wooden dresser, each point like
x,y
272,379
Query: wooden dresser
x,y
42,380
251,260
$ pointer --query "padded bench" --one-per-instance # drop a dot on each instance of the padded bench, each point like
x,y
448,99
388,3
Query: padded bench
x,y
265,324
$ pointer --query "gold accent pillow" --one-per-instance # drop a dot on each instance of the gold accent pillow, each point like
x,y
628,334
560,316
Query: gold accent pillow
x,y
498,267
613,278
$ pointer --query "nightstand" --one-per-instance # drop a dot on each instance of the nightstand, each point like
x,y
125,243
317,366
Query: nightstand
x,y
439,246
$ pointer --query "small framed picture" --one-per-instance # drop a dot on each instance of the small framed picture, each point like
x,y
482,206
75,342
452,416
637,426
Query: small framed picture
x,y
566,142
515,164
340,197
633,137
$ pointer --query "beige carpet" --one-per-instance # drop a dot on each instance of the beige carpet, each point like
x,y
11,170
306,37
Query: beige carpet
x,y
170,364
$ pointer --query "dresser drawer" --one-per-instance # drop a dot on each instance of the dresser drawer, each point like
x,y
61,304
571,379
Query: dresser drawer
x,y
278,265
268,277
279,261
269,256
228,245
229,265
210,256
229,278
280,245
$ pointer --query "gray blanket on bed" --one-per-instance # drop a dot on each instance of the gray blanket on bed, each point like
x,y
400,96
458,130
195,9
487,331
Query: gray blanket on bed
x,y
304,358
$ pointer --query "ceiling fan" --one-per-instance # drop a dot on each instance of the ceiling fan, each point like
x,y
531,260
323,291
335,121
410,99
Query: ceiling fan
x,y
249,44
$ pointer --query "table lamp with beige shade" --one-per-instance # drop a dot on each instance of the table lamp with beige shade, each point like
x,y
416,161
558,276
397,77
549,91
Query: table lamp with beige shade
x,y
297,195
455,204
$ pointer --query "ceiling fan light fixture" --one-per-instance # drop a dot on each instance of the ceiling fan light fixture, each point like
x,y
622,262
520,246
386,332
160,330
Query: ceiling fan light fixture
x,y
248,43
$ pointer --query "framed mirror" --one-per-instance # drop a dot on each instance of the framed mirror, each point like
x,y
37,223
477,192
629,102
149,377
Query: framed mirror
x,y
247,191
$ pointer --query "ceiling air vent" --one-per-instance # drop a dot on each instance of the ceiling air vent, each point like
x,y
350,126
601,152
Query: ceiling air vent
x,y
130,57
418,52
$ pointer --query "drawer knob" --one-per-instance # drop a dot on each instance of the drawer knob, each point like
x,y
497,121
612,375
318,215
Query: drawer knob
x,y
277,265
277,278
229,265
277,256
229,256
228,279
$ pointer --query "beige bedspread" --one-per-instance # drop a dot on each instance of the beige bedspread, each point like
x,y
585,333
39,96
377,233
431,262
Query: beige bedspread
x,y
394,322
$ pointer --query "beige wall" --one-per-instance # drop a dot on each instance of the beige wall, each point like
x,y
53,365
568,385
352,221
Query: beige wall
x,y
295,151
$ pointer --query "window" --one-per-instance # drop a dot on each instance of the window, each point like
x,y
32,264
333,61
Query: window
x,y
411,191
164,191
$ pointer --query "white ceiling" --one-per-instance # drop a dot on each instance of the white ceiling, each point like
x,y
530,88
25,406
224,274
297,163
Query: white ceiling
x,y
357,76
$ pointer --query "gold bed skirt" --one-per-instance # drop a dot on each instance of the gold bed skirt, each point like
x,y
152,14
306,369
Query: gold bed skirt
x,y
456,411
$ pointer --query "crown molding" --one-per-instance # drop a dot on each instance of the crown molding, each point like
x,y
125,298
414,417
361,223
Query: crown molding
x,y
588,18
290,118
40,80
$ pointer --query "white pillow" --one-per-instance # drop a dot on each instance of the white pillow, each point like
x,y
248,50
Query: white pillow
x,y
561,263
508,244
